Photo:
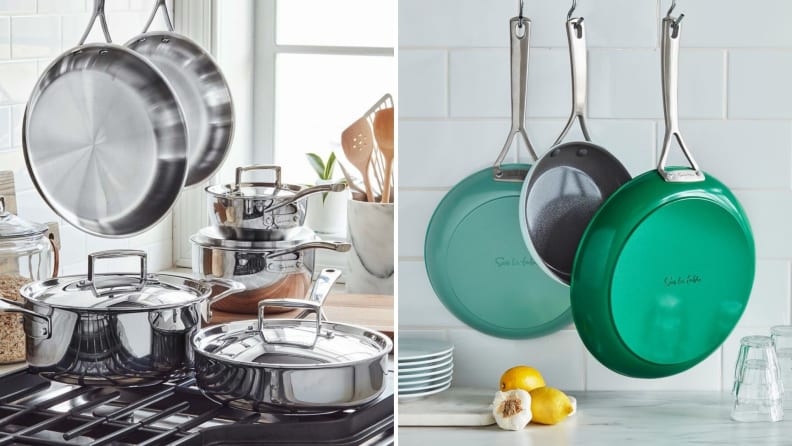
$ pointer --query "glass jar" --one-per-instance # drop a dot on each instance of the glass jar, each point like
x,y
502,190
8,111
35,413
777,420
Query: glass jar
x,y
27,254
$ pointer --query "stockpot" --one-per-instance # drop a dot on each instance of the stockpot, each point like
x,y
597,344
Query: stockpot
x,y
292,364
114,329
260,210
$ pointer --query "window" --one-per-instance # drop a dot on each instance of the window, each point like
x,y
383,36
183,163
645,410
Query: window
x,y
330,62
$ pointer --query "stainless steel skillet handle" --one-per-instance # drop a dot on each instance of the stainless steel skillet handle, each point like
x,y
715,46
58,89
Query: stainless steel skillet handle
x,y
231,286
10,306
98,12
165,15
333,246
578,60
520,31
313,305
336,187
670,62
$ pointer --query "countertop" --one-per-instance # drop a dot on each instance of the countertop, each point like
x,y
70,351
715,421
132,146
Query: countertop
x,y
616,418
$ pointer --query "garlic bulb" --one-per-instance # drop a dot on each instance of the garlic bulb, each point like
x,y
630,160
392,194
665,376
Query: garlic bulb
x,y
512,409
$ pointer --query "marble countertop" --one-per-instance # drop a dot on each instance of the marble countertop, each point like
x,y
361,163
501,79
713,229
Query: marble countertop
x,y
616,418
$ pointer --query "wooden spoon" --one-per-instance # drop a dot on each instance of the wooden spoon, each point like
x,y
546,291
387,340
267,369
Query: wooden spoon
x,y
358,144
383,131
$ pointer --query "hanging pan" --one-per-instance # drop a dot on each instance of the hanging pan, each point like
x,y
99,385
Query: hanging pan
x,y
201,89
104,138
570,182
665,268
475,258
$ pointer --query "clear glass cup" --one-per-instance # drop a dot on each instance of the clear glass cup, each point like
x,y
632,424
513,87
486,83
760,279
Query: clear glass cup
x,y
782,341
757,387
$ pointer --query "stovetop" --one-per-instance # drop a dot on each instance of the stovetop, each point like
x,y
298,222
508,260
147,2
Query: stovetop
x,y
34,411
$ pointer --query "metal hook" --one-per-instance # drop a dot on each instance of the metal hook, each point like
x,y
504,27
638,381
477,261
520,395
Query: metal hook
x,y
674,21
520,15
572,10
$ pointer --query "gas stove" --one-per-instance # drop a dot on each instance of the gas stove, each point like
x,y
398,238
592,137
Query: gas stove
x,y
34,411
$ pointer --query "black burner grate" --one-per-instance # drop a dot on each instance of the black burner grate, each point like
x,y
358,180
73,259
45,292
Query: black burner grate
x,y
34,411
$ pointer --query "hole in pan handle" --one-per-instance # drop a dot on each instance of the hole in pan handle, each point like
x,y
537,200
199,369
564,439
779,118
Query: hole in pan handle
x,y
520,30
670,62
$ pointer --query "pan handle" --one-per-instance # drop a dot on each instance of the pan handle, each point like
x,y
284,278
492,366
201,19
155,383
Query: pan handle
x,y
334,187
10,306
165,15
333,246
313,305
231,286
98,12
520,31
578,60
670,62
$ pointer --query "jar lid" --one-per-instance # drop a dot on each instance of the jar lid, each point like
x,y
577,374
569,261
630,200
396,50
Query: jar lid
x,y
12,226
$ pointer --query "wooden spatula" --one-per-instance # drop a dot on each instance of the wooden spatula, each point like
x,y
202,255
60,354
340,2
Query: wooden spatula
x,y
358,143
383,131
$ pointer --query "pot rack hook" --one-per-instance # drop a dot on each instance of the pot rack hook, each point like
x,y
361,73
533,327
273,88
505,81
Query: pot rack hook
x,y
675,21
572,10
520,15
671,9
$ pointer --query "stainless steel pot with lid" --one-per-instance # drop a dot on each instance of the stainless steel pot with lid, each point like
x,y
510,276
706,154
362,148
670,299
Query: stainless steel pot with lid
x,y
114,329
261,210
292,364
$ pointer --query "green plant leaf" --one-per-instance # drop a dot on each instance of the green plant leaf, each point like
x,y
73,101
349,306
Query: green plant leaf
x,y
330,166
317,164
324,197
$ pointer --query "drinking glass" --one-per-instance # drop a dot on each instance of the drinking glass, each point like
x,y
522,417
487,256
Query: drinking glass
x,y
782,341
757,387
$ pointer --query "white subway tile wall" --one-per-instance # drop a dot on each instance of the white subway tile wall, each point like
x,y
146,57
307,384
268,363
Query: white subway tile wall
x,y
734,96
32,34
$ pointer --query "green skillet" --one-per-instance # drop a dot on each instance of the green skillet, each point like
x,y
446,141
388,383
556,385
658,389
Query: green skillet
x,y
475,256
665,268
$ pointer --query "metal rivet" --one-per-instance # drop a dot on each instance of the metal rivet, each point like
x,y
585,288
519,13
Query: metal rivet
x,y
555,152
103,52
165,40
582,152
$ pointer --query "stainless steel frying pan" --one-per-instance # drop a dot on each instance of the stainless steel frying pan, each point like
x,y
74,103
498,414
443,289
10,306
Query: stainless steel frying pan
x,y
104,138
200,88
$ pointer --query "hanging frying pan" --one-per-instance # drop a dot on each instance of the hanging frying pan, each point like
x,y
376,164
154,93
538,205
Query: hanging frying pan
x,y
665,268
201,89
570,182
104,138
475,258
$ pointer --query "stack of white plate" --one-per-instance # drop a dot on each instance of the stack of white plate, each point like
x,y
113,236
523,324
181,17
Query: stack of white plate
x,y
426,367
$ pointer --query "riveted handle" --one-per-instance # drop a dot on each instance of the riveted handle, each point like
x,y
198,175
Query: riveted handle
x,y
520,31
670,63
165,15
578,61
10,306
98,13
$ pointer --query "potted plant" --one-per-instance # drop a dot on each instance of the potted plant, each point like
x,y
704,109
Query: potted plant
x,y
326,212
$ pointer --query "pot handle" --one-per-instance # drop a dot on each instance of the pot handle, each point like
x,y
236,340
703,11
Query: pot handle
x,y
115,254
241,170
333,246
313,305
98,12
670,62
231,286
165,15
10,306
335,187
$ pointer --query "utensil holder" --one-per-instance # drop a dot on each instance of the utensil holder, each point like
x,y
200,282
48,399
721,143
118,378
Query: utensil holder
x,y
370,263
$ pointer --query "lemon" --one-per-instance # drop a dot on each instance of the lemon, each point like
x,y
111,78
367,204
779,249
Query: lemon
x,y
521,377
549,405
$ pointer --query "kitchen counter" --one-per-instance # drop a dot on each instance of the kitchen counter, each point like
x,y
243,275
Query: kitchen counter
x,y
616,418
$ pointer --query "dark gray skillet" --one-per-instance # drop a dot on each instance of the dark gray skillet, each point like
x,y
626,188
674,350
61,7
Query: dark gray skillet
x,y
569,183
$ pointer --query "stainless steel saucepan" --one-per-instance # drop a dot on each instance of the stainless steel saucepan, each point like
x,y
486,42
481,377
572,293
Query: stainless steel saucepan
x,y
202,90
292,364
266,268
258,210
104,138
114,329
